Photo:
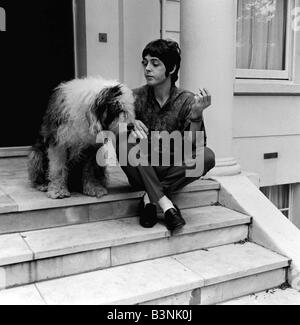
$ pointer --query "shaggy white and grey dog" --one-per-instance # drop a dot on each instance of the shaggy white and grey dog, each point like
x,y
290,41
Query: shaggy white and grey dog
x,y
64,157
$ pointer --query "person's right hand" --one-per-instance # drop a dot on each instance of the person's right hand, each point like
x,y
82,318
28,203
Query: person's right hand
x,y
202,101
140,130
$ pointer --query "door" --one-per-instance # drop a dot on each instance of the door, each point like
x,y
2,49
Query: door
x,y
36,54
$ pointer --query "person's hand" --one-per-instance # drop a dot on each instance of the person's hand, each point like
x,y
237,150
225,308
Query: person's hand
x,y
140,130
202,101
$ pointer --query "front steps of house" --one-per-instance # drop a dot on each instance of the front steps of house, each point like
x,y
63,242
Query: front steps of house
x,y
32,210
89,251
199,277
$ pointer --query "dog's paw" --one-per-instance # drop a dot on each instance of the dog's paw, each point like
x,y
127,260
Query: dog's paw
x,y
42,188
94,190
58,193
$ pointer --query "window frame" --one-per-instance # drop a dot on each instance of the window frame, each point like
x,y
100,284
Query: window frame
x,y
286,74
289,209
291,203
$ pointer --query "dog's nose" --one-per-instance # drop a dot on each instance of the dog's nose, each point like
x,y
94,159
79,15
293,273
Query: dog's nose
x,y
130,127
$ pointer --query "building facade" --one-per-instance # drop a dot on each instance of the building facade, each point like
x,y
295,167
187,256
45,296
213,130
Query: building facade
x,y
246,52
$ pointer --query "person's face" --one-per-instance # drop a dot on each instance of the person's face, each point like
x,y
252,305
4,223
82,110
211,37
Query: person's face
x,y
154,71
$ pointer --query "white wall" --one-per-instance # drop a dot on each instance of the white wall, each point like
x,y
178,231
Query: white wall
x,y
130,25
265,124
141,25
102,16
284,170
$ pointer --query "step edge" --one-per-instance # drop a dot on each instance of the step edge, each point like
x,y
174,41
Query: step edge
x,y
190,281
137,239
275,284
190,285
98,246
223,224
169,291
135,300
110,265
140,299
17,259
106,199
172,290
160,234
253,271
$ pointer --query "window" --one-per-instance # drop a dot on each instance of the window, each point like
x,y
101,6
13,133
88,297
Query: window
x,y
281,197
263,44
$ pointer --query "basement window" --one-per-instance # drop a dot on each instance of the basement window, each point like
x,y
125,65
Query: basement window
x,y
281,197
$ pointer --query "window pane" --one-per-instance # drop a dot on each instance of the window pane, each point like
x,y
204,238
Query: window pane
x,y
278,195
261,34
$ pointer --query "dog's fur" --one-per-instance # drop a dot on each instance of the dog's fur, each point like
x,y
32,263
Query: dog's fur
x,y
66,149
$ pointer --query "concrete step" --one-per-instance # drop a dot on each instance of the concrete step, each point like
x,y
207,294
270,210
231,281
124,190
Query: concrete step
x,y
276,296
199,277
23,208
34,256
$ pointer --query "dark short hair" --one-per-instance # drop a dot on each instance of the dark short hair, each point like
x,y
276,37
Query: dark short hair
x,y
168,52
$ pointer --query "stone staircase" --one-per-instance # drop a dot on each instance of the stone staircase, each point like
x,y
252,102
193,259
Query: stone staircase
x,y
89,251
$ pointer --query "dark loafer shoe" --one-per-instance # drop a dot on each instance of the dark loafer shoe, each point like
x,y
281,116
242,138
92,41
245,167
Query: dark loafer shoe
x,y
148,214
174,219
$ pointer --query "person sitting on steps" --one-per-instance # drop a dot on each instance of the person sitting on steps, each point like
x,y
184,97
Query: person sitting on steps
x,y
161,106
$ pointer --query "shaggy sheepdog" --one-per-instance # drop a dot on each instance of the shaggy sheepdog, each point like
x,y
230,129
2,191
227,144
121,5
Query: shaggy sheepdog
x,y
64,157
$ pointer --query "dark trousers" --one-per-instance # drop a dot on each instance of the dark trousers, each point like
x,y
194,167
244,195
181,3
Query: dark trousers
x,y
159,181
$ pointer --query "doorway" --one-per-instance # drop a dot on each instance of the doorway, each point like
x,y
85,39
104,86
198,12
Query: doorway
x,y
36,54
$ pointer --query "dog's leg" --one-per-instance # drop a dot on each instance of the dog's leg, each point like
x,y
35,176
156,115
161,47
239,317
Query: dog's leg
x,y
58,173
94,177
37,165
42,187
